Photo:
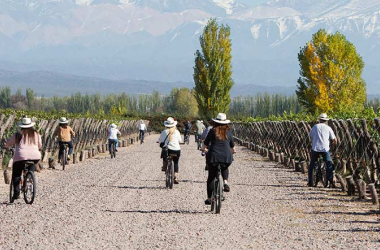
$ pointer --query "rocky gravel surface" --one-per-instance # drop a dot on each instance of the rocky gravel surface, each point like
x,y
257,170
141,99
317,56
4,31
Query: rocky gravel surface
x,y
123,204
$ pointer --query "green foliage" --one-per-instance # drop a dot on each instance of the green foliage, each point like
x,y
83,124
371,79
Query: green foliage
x,y
263,105
181,102
213,70
331,72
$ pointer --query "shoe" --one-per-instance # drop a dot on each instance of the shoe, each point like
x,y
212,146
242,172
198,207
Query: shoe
x,y
116,150
59,160
226,187
309,185
332,185
208,202
15,197
68,158
176,181
206,168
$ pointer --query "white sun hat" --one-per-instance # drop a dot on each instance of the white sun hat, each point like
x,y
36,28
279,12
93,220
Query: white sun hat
x,y
63,120
170,122
26,122
324,117
221,118
113,125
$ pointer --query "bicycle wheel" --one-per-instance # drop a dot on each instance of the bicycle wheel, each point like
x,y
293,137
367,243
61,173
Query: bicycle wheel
x,y
111,150
29,188
213,196
11,192
171,175
324,174
64,159
219,194
314,175
114,150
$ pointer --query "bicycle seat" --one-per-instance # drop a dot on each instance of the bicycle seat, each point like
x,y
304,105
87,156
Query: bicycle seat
x,y
29,163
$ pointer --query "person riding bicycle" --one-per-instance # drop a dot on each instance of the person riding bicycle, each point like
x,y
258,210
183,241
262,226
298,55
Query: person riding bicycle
x,y
199,127
187,129
171,138
64,133
142,130
221,148
112,136
321,134
28,143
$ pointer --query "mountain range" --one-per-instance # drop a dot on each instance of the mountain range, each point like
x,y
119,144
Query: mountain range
x,y
155,40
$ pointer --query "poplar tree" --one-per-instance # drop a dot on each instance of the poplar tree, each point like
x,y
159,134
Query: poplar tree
x,y
213,70
331,72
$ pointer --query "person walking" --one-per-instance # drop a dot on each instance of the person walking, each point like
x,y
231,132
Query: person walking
x,y
142,130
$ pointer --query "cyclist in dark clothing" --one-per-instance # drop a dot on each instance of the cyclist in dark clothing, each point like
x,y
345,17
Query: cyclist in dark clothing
x,y
221,148
187,128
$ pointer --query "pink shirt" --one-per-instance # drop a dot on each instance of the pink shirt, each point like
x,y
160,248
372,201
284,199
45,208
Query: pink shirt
x,y
25,150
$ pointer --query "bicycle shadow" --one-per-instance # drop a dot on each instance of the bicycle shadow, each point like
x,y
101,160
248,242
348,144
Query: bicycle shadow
x,y
173,211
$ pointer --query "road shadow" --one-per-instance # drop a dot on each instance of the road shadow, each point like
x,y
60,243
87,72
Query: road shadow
x,y
174,211
136,188
344,213
192,181
353,230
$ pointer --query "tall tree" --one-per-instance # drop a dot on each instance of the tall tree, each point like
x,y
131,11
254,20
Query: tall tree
x,y
331,72
213,70
29,97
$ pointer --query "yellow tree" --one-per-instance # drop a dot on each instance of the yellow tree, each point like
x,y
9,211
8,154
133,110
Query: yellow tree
x,y
331,73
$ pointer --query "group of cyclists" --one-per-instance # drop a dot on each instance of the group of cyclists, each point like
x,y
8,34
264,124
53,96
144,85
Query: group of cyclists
x,y
218,146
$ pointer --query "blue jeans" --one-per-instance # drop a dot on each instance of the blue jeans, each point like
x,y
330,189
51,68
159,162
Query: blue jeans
x,y
141,135
109,144
329,166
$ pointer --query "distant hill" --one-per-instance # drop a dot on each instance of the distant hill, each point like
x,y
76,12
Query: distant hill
x,y
51,83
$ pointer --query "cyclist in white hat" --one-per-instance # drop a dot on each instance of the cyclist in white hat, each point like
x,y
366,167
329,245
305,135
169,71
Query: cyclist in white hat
x,y
64,133
28,143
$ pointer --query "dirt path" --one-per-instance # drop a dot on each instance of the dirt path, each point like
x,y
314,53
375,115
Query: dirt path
x,y
122,204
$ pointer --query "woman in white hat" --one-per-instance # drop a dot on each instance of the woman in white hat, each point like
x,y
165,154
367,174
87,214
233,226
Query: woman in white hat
x,y
28,143
112,136
171,138
221,148
64,133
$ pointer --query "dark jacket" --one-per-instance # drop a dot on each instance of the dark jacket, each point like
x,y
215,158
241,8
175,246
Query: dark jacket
x,y
220,150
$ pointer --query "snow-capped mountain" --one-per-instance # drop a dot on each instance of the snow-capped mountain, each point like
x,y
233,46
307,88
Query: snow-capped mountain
x,y
156,39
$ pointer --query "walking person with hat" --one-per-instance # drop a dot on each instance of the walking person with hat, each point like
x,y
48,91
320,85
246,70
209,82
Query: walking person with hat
x,y
171,138
221,147
112,136
65,134
28,143
321,134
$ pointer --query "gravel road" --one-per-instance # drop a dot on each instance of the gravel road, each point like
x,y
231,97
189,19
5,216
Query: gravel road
x,y
122,204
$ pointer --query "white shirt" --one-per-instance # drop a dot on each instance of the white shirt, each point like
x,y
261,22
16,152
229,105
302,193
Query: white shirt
x,y
142,126
174,142
113,133
321,135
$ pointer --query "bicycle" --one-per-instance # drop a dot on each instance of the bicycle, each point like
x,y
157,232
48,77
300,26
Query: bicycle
x,y
199,142
169,173
141,137
217,195
186,139
64,156
27,184
113,149
319,172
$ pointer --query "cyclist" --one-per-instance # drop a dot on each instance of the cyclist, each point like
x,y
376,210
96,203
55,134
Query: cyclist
x,y
221,148
187,129
112,136
171,138
28,143
199,127
64,133
142,129
321,134
204,135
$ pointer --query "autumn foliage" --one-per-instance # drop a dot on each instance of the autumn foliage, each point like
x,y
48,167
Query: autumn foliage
x,y
331,72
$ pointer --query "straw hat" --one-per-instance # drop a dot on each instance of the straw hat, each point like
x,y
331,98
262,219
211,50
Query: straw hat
x,y
113,125
63,120
170,122
324,117
221,118
26,123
